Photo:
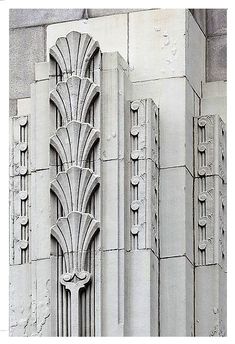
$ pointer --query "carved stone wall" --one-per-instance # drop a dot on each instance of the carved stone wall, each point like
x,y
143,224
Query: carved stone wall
x,y
118,184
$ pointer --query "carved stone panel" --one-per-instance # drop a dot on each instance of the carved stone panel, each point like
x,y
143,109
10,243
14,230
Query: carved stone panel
x,y
210,146
144,173
75,148
210,226
20,189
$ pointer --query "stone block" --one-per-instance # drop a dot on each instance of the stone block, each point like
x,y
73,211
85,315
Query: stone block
x,y
114,120
175,118
40,124
216,21
176,212
210,306
41,298
214,89
217,58
114,203
195,54
141,297
40,215
26,49
110,32
199,15
176,298
41,71
214,100
40,16
113,289
20,301
12,107
157,46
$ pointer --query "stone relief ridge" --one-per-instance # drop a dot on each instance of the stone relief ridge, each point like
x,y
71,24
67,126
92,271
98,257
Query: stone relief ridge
x,y
75,185
20,187
144,143
210,172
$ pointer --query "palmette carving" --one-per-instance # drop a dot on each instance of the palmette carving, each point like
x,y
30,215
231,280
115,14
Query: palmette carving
x,y
74,53
77,145
73,98
74,143
74,188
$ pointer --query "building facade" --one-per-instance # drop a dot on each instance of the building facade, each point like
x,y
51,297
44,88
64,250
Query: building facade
x,y
118,172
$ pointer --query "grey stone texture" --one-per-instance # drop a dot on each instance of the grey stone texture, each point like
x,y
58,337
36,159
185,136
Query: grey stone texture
x,y
34,17
12,107
216,45
26,49
216,21
216,58
199,15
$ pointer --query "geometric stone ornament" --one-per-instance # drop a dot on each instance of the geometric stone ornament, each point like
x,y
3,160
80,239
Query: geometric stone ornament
x,y
19,190
209,190
210,221
74,234
144,173
75,186
74,53
74,97
71,152
210,226
210,146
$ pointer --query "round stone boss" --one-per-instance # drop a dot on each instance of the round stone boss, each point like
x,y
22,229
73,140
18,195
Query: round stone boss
x,y
135,205
23,121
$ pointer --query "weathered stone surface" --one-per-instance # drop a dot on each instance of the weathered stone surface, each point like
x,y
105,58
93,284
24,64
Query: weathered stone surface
x,y
142,286
216,21
34,17
176,140
12,107
156,47
40,125
26,49
113,289
214,100
176,297
211,304
217,58
195,54
110,32
176,217
199,15
20,298
40,215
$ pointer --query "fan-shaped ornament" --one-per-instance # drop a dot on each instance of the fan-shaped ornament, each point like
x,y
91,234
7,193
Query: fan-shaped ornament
x,y
74,53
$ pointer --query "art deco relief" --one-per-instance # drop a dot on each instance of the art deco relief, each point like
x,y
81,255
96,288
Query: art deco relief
x,y
86,200
210,203
76,185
